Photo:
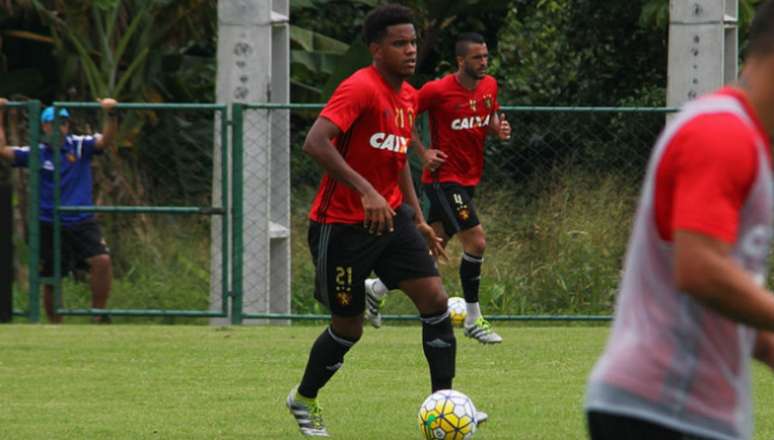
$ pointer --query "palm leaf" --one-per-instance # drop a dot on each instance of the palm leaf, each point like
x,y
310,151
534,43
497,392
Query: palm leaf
x,y
138,61
312,41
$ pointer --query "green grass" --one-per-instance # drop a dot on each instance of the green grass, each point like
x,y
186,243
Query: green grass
x,y
169,382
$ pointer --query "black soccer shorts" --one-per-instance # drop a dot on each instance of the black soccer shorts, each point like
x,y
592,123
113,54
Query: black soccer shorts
x,y
79,242
606,426
345,255
452,205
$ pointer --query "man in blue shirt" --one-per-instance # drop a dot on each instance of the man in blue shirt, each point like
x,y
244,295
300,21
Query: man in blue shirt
x,y
81,237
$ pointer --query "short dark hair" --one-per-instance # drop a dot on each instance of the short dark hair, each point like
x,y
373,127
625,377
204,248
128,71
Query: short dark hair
x,y
378,20
461,47
761,38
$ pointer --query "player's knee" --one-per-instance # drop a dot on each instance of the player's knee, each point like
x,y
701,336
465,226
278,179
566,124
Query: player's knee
x,y
100,262
474,241
478,246
437,301
350,328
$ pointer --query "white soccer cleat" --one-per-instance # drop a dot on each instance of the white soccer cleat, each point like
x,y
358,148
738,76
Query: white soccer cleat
x,y
481,417
481,330
374,303
307,413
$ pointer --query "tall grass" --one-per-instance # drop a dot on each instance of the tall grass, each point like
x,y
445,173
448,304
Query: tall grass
x,y
552,248
164,265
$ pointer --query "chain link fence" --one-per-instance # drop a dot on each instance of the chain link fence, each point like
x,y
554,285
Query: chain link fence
x,y
158,198
556,201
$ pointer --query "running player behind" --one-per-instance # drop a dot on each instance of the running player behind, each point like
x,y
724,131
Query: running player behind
x,y
693,308
463,109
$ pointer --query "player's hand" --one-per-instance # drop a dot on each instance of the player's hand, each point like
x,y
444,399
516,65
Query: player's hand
x,y
504,130
433,159
107,104
3,103
378,213
434,242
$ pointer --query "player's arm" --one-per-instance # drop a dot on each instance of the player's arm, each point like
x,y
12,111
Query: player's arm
x,y
705,270
431,158
6,152
406,184
378,213
110,126
764,348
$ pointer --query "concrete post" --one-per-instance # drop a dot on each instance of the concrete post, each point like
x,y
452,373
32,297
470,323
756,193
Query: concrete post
x,y
253,67
703,47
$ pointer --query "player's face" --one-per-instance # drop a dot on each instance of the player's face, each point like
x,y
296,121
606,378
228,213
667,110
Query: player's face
x,y
398,50
475,61
48,127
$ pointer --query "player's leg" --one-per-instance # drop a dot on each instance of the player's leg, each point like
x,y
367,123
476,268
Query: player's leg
x,y
438,341
88,244
474,244
325,358
406,264
47,271
473,239
376,289
343,257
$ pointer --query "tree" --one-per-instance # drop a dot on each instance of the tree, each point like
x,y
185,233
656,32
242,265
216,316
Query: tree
x,y
655,13
340,50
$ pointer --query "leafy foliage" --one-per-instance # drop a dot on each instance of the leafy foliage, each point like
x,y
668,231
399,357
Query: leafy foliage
x,y
565,52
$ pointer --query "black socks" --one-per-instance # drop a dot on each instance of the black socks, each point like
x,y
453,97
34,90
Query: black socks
x,y
440,349
325,358
470,276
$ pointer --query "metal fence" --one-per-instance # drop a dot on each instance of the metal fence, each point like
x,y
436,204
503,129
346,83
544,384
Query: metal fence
x,y
160,201
556,201
201,210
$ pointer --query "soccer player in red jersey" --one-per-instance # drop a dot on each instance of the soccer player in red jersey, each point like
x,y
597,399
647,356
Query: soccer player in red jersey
x,y
693,308
463,110
366,216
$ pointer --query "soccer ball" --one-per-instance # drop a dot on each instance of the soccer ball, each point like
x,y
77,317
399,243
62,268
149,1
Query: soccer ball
x,y
457,310
447,415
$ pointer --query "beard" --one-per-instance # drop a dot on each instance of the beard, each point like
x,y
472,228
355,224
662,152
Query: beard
x,y
473,73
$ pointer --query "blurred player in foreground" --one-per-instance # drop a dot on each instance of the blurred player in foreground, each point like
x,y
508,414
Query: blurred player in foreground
x,y
693,308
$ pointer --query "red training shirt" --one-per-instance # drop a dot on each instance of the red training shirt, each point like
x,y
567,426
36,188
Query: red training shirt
x,y
375,124
459,119
703,179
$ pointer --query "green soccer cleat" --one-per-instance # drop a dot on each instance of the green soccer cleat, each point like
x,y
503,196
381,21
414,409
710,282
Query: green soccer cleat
x,y
307,413
481,330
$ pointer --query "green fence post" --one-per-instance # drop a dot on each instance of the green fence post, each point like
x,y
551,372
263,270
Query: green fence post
x,y
56,142
224,203
237,138
33,209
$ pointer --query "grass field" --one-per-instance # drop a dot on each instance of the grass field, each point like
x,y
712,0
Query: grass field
x,y
168,382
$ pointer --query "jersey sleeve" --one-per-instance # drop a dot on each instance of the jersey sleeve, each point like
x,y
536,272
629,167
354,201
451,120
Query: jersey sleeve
x,y
717,164
496,103
88,145
348,101
425,97
21,157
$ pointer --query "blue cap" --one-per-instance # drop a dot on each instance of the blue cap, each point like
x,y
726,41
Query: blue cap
x,y
48,114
